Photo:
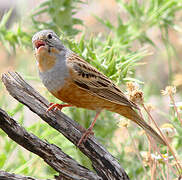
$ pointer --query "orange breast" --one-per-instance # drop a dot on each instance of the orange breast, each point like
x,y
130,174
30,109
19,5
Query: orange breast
x,y
72,94
45,59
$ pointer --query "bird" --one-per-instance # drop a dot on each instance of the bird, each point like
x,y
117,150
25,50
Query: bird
x,y
74,81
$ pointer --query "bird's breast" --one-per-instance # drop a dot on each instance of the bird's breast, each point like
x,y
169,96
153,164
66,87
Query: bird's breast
x,y
54,77
45,60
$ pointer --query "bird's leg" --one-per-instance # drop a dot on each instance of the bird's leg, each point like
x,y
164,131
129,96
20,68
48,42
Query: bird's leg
x,y
89,130
57,106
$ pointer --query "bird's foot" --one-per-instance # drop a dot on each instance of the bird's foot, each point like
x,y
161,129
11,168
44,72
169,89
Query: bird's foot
x,y
57,106
85,136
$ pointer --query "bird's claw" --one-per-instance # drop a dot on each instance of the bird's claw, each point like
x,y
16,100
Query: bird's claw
x,y
56,106
85,136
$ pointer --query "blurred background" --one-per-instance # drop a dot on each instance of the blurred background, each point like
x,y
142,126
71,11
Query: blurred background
x,y
128,40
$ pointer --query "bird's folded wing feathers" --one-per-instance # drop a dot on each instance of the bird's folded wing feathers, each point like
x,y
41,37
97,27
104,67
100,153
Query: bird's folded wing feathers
x,y
89,78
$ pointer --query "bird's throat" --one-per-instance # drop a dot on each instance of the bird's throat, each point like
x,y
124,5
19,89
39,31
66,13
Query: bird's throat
x,y
45,60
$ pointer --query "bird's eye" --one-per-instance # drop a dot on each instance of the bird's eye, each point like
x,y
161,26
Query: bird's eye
x,y
49,36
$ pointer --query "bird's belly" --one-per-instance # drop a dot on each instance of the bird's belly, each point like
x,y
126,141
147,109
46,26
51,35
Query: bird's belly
x,y
72,94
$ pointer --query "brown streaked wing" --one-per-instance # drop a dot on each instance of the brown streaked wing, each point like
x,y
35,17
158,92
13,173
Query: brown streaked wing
x,y
89,78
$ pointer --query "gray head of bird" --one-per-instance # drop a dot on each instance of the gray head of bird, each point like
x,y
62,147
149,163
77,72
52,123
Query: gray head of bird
x,y
47,39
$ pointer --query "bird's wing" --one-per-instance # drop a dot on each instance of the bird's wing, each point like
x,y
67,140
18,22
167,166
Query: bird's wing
x,y
89,78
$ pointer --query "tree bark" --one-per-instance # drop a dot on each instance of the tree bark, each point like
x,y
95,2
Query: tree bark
x,y
11,176
52,155
106,166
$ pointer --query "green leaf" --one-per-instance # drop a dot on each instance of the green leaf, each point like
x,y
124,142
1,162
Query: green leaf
x,y
3,159
5,19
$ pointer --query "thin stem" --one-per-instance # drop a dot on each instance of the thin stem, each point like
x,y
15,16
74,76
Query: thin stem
x,y
150,142
167,164
175,107
154,145
167,45
153,170
137,152
162,172
178,166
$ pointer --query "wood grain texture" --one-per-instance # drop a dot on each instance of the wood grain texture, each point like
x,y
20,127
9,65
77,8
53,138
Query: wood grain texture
x,y
50,153
11,176
105,165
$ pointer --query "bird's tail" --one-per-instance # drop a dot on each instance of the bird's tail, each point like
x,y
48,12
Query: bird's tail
x,y
132,115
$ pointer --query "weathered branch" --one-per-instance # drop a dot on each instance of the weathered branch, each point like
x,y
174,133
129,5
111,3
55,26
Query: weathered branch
x,y
51,154
103,162
11,176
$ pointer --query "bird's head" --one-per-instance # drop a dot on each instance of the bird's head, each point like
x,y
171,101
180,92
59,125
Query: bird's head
x,y
48,47
46,40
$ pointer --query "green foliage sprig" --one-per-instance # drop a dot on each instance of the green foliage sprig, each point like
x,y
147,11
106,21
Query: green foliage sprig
x,y
60,14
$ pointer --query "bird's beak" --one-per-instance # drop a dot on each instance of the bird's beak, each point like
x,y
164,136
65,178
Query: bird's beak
x,y
39,43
